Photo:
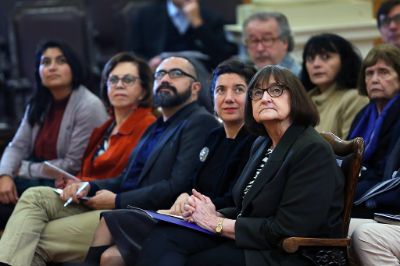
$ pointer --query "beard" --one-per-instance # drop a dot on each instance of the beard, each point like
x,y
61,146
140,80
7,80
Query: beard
x,y
170,98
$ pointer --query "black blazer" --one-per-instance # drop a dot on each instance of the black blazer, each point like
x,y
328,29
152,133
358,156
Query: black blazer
x,y
169,167
299,192
149,34
221,195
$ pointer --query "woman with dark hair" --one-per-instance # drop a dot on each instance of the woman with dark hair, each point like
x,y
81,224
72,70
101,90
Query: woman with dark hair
x,y
330,70
56,127
126,89
232,141
290,168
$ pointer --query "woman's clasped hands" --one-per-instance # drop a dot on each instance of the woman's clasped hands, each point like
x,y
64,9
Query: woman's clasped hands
x,y
199,209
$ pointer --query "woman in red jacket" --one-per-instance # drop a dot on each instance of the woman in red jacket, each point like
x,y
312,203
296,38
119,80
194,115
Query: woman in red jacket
x,y
126,87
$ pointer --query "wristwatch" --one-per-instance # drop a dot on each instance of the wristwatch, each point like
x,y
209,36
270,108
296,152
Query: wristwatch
x,y
219,227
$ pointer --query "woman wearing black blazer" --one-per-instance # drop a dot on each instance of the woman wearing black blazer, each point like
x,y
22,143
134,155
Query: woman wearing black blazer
x,y
291,186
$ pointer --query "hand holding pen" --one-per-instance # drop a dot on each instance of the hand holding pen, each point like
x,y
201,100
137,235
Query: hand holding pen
x,y
72,191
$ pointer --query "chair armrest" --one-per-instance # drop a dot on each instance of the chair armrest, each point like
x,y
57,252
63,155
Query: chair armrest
x,y
292,244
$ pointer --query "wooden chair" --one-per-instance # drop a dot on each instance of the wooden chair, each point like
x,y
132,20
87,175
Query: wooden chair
x,y
333,251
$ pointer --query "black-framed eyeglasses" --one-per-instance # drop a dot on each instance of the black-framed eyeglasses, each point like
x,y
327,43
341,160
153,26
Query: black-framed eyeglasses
x,y
385,21
275,90
173,74
127,80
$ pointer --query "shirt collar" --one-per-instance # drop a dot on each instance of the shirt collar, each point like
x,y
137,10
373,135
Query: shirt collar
x,y
177,17
177,114
290,64
172,9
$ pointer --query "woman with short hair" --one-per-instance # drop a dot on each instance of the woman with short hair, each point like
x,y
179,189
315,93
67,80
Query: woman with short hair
x,y
378,124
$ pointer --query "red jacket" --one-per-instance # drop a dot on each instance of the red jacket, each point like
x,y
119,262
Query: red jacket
x,y
114,159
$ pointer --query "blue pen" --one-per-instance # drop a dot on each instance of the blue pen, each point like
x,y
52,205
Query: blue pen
x,y
80,189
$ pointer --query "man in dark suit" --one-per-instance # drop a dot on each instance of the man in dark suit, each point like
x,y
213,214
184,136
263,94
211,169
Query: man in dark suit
x,y
180,25
158,171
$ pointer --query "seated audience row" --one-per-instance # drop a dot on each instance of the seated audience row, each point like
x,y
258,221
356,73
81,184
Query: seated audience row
x,y
216,175
153,194
174,155
159,169
275,191
109,146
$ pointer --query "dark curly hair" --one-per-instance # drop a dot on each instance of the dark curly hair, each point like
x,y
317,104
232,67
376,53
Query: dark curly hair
x,y
245,70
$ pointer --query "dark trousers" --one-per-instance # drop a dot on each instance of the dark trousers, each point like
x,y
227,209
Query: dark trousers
x,y
173,245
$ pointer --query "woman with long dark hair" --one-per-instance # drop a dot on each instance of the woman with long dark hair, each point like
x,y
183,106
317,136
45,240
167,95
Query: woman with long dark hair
x,y
56,127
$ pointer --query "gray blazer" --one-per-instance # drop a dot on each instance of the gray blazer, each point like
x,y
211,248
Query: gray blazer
x,y
83,113
169,168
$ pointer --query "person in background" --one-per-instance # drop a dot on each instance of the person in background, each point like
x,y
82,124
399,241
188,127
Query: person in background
x,y
126,87
388,21
331,66
159,170
56,126
378,124
221,161
268,40
289,169
180,25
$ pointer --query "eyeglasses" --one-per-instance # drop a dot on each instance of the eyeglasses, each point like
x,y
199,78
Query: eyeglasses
x,y
127,80
265,41
275,90
173,74
385,21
